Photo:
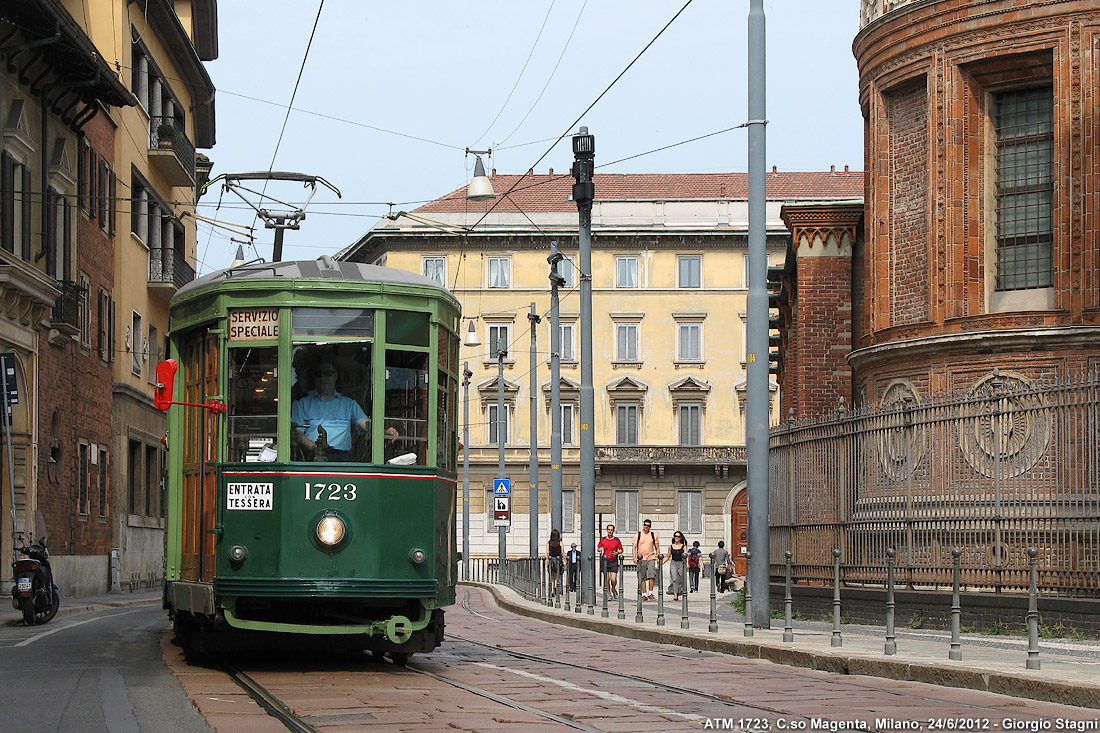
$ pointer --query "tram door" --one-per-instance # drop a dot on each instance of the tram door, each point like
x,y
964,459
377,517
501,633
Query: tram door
x,y
200,450
739,530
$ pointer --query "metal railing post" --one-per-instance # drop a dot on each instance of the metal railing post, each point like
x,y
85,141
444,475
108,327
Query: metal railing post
x,y
684,623
619,590
660,591
891,643
1033,609
837,640
788,628
748,590
713,626
955,652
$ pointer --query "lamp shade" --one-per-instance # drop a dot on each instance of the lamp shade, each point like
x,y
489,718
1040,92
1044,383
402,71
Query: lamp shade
x,y
471,336
480,188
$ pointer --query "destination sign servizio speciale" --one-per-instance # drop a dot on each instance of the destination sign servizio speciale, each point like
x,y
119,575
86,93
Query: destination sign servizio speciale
x,y
253,324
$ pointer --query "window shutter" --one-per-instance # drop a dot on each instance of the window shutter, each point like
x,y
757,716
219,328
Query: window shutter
x,y
7,202
25,204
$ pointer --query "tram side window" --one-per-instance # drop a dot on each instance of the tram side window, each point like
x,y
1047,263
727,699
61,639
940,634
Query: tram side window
x,y
330,411
253,403
406,407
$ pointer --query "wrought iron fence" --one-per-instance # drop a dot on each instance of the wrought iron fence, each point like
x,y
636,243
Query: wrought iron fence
x,y
166,134
1010,464
70,300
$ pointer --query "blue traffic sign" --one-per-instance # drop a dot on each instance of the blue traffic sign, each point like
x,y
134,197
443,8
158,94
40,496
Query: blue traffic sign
x,y
502,487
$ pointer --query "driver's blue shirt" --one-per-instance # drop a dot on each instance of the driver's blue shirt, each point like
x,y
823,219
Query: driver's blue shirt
x,y
338,413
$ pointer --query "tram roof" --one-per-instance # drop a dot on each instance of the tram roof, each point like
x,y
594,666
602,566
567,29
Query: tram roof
x,y
323,268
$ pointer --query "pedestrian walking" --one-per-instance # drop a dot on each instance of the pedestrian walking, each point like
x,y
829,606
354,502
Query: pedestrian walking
x,y
720,561
610,548
675,559
554,560
645,554
573,563
695,559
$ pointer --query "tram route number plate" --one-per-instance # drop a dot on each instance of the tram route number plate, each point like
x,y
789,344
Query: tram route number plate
x,y
256,496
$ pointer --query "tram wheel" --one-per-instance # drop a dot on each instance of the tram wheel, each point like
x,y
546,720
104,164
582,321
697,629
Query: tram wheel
x,y
400,659
378,655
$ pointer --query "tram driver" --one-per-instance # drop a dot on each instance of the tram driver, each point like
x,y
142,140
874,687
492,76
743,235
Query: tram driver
x,y
324,419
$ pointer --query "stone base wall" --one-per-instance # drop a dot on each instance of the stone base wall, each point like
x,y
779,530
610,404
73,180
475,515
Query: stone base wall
x,y
933,608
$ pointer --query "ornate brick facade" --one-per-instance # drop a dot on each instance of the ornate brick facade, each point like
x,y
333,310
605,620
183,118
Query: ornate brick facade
x,y
930,303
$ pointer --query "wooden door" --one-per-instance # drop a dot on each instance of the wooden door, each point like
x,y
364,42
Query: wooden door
x,y
200,370
739,530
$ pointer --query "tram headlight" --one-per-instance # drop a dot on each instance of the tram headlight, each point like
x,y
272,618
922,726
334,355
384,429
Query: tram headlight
x,y
238,554
417,556
331,530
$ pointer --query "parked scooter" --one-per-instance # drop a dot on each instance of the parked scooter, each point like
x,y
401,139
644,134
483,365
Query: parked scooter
x,y
34,591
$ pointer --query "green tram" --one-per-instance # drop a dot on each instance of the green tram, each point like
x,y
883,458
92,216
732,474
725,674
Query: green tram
x,y
312,445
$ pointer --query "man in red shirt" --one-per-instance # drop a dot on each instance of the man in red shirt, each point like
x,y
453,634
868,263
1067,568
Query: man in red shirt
x,y
610,547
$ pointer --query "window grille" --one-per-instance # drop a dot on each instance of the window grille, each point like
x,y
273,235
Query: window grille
x,y
1024,130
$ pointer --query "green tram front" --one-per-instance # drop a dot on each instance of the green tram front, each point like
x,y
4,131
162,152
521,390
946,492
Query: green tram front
x,y
312,462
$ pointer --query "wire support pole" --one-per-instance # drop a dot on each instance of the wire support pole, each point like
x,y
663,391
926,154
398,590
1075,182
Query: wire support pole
x,y
555,390
466,374
757,388
533,470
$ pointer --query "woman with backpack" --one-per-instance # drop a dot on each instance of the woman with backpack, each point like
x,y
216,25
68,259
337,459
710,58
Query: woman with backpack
x,y
695,561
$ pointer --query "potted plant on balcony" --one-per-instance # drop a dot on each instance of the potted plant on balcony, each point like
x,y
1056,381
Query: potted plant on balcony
x,y
166,134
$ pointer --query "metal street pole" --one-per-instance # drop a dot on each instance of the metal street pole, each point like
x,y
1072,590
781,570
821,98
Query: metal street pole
x,y
466,374
556,281
756,422
584,153
533,471
502,538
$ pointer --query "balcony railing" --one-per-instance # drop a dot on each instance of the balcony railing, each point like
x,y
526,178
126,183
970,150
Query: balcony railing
x,y
176,141
66,311
671,454
169,266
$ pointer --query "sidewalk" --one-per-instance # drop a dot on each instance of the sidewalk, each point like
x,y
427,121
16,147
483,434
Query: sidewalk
x,y
1069,674
10,616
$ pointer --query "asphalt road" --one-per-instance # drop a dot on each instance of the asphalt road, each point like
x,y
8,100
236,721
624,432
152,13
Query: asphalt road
x,y
100,671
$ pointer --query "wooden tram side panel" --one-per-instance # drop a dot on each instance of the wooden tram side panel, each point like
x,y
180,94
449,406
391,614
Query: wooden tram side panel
x,y
200,430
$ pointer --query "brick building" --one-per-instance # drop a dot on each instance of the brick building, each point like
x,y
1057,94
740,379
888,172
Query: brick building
x,y
958,309
95,237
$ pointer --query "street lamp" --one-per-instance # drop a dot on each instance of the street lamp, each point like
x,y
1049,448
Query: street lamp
x,y
466,374
471,341
480,188
501,348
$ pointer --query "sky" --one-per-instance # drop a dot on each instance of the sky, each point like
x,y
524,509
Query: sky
x,y
391,94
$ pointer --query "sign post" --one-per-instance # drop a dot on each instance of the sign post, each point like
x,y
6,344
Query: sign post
x,y
502,503
10,388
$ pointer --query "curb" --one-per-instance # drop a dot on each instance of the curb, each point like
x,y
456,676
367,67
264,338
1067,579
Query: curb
x,y
1002,683
15,618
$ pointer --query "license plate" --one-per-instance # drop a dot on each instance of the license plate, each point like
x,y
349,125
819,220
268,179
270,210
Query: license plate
x,y
23,585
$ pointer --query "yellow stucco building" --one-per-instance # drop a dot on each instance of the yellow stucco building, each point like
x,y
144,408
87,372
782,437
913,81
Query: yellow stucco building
x,y
669,293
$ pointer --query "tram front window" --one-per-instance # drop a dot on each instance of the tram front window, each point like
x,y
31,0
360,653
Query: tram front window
x,y
330,412
253,403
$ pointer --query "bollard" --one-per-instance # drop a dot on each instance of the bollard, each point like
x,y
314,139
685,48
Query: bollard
x,y
619,589
1033,609
603,611
713,598
891,638
577,608
660,591
638,616
748,591
955,652
837,640
788,629
592,598
684,598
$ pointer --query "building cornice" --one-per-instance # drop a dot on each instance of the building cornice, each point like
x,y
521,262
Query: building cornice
x,y
1009,340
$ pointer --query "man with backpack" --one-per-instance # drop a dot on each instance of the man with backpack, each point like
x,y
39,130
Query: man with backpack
x,y
645,554
695,559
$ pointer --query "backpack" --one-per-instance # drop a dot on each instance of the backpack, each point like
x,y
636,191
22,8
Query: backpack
x,y
693,559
